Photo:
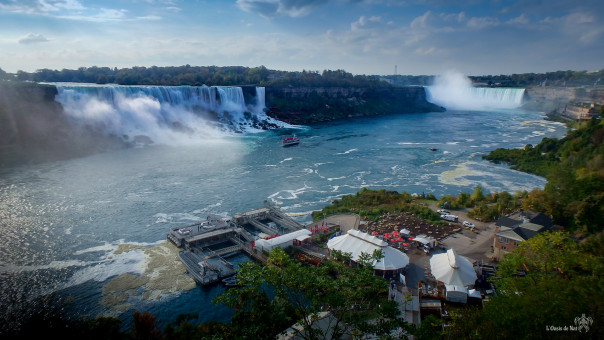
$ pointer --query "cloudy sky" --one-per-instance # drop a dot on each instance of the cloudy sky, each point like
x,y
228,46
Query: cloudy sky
x,y
361,36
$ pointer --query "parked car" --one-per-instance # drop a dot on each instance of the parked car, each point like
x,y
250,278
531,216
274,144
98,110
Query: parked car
x,y
449,217
442,211
468,224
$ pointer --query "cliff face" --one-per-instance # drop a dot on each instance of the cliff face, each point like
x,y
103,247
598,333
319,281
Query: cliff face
x,y
556,99
304,105
34,128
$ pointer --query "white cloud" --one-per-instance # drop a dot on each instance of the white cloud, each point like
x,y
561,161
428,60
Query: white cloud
x,y
32,38
273,8
104,15
40,6
482,22
366,23
522,19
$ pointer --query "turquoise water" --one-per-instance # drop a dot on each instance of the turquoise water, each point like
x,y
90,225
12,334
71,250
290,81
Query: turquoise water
x,y
62,222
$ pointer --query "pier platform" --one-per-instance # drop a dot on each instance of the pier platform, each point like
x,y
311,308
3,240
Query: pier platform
x,y
206,243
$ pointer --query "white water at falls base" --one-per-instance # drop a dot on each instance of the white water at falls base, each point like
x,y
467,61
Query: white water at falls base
x,y
170,115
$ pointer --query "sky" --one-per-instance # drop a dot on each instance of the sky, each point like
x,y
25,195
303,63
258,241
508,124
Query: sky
x,y
381,37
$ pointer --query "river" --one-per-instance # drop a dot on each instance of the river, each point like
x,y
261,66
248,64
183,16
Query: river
x,y
72,227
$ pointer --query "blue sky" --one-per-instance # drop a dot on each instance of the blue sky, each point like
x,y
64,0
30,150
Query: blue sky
x,y
361,36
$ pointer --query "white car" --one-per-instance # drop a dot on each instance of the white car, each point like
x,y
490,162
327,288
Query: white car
x,y
468,224
442,211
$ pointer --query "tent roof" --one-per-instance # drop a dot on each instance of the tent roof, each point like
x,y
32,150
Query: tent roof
x,y
452,269
272,242
424,239
356,242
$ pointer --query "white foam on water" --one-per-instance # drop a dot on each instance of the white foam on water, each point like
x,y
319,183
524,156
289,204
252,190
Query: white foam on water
x,y
347,152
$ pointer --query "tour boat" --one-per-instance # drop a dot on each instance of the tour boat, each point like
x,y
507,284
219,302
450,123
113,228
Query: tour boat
x,y
288,141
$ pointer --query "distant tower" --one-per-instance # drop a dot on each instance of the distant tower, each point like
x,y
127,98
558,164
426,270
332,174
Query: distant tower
x,y
395,66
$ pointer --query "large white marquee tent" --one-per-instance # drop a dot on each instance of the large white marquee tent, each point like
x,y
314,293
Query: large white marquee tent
x,y
356,242
452,269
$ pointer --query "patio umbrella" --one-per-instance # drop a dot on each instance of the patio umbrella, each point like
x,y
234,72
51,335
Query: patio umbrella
x,y
374,233
405,231
452,269
386,235
399,239
392,240
406,244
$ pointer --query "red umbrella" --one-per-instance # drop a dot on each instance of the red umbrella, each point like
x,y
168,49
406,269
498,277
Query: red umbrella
x,y
395,232
399,239
374,233
406,244
386,235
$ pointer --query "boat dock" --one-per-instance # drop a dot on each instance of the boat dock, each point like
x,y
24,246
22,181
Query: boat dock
x,y
206,244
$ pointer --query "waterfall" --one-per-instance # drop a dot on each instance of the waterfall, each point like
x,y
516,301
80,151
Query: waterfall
x,y
455,91
165,114
260,99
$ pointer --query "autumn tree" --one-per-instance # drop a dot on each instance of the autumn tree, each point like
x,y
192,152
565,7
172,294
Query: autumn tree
x,y
326,301
549,280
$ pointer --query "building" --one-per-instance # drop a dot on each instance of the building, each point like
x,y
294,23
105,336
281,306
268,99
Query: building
x,y
511,230
283,241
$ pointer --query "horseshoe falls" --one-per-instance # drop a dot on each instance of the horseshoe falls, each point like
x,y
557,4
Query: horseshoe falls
x,y
454,91
169,115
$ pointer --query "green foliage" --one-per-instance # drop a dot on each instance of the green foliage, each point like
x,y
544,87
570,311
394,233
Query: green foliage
x,y
557,78
200,75
272,297
548,280
430,328
574,168
372,204
485,207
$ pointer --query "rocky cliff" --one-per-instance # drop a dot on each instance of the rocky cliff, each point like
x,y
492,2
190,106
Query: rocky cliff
x,y
304,105
555,99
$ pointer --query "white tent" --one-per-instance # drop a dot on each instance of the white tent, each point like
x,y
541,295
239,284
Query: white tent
x,y
452,269
356,242
282,241
405,231
425,240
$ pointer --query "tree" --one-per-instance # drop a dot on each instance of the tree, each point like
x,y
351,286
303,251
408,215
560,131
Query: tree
x,y
276,295
144,327
477,195
4,75
549,280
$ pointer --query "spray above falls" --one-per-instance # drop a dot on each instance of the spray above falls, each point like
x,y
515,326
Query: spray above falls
x,y
166,114
454,91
